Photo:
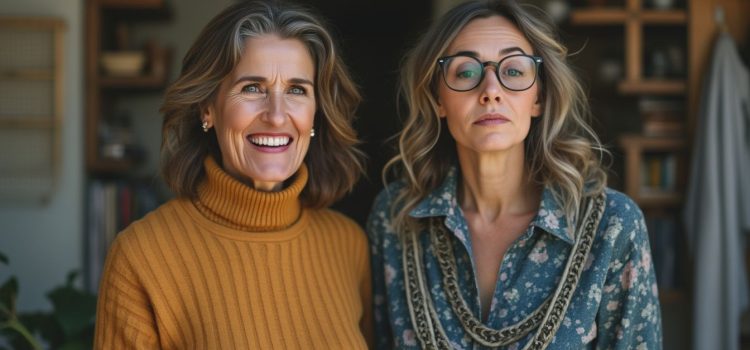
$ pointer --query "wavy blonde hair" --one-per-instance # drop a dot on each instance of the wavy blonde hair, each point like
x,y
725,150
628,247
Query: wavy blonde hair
x,y
562,150
334,163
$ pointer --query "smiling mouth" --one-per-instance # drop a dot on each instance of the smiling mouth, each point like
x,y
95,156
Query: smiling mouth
x,y
269,141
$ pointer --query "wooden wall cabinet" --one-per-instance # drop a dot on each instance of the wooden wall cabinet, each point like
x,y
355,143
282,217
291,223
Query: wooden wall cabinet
x,y
634,17
107,26
654,164
115,195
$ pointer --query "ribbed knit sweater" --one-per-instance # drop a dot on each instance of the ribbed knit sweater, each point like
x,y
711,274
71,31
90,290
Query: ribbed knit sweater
x,y
237,269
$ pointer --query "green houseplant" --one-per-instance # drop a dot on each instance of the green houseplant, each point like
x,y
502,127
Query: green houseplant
x,y
69,326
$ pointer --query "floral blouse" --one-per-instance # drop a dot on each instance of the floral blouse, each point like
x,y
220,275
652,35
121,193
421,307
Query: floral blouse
x,y
615,305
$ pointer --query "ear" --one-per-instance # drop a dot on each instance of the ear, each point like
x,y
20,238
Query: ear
x,y
441,110
536,109
208,114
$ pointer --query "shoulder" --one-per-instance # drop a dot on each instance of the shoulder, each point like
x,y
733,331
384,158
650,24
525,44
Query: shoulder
x,y
623,225
142,232
621,205
620,210
385,201
387,196
335,223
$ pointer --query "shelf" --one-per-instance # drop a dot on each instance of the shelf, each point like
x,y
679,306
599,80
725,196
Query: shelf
x,y
132,4
598,16
652,143
672,296
109,166
134,82
27,122
658,199
653,87
666,17
27,74
610,16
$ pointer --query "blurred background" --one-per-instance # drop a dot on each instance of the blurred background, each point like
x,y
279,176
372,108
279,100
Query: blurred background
x,y
81,83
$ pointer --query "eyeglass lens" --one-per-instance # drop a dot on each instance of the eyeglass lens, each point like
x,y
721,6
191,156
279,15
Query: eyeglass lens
x,y
464,73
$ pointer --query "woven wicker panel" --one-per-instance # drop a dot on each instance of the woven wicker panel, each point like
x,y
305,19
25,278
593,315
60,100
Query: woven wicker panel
x,y
26,49
26,98
29,127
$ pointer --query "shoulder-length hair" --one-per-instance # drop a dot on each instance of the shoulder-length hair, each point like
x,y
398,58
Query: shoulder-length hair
x,y
562,151
334,163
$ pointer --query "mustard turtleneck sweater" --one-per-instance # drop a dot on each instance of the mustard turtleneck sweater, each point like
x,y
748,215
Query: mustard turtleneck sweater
x,y
237,269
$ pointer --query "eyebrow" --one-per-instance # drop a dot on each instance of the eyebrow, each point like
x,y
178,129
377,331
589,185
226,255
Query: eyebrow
x,y
504,51
256,78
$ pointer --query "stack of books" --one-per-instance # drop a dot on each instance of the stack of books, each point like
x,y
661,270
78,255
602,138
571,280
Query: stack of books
x,y
662,117
658,172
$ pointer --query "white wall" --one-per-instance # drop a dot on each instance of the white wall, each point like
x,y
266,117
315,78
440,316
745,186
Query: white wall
x,y
44,243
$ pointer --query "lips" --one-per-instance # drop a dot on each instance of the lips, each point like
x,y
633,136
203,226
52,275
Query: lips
x,y
491,119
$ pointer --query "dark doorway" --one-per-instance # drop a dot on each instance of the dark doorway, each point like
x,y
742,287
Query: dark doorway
x,y
374,35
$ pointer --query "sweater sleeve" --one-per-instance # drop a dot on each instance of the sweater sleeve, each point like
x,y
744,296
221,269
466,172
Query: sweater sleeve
x,y
124,316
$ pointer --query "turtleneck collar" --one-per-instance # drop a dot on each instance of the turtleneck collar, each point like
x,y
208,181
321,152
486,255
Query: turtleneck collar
x,y
229,202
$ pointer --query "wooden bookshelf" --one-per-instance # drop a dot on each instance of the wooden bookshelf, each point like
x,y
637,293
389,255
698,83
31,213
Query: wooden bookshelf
x,y
633,18
107,23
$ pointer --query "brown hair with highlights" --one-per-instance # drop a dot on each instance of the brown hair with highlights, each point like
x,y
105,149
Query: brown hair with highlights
x,y
333,161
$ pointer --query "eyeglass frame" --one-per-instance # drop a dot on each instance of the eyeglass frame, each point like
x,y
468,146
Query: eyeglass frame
x,y
443,60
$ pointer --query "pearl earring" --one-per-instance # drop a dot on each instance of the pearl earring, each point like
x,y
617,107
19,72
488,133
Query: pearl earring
x,y
205,126
312,132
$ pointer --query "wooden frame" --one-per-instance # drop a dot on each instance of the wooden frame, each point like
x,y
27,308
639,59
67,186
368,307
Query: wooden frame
x,y
53,122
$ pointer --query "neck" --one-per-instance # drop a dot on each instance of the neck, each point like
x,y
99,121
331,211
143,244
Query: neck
x,y
496,185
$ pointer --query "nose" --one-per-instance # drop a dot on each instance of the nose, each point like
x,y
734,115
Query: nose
x,y
275,110
491,89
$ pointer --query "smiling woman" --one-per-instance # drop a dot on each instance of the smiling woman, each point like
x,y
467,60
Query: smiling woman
x,y
263,112
257,141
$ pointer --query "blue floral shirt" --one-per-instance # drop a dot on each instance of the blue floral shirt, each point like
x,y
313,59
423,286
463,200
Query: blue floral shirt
x,y
615,305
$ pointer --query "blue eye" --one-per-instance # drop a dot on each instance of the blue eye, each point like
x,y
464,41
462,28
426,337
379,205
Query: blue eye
x,y
298,90
252,88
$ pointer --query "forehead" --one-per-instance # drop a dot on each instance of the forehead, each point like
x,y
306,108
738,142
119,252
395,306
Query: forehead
x,y
271,54
488,36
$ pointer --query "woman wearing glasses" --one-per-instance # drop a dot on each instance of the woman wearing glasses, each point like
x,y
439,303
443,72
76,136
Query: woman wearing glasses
x,y
500,232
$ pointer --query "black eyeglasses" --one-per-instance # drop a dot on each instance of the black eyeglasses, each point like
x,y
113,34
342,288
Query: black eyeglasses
x,y
515,72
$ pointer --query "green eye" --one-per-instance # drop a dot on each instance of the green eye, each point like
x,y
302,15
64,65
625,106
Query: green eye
x,y
512,72
467,74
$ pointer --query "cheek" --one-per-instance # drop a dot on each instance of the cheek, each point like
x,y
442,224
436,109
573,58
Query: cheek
x,y
303,116
237,116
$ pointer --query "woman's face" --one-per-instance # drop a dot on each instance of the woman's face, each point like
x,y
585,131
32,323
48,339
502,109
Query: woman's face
x,y
489,118
264,110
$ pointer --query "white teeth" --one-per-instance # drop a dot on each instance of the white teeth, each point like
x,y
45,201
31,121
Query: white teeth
x,y
273,141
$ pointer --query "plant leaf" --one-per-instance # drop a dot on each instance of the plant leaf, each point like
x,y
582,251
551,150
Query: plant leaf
x,y
44,324
8,293
3,258
74,310
72,275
